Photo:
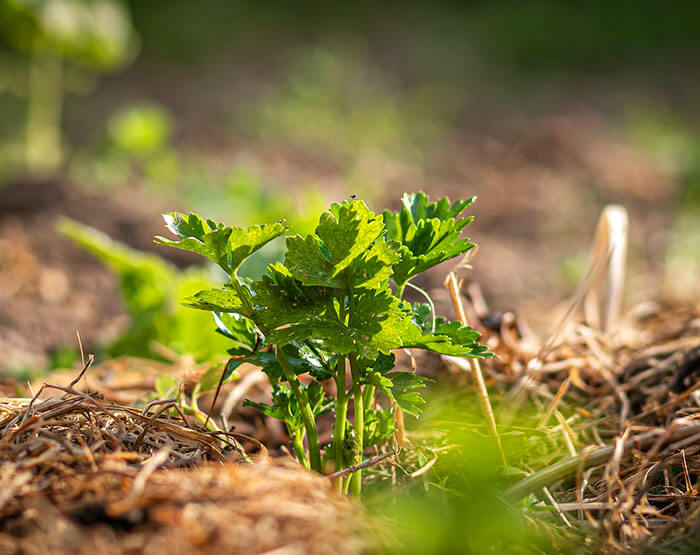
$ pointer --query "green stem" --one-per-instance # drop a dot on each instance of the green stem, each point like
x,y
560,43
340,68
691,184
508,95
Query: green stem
x,y
341,407
356,485
241,292
341,413
306,414
400,431
298,442
368,396
346,484
399,289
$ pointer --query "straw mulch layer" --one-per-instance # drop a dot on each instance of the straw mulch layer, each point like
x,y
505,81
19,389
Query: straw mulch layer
x,y
615,456
623,467
83,475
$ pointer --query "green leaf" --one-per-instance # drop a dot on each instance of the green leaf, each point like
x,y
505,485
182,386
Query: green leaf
x,y
375,267
410,402
284,404
401,387
421,209
376,379
308,264
423,316
407,380
220,300
441,336
280,409
383,363
320,404
192,225
347,231
379,427
348,251
428,232
226,246
237,328
212,377
280,299
379,323
450,338
301,359
166,386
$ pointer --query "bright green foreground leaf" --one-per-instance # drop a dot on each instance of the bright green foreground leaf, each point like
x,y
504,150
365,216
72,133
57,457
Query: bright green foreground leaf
x,y
347,230
379,323
237,328
220,300
449,338
400,387
347,252
403,391
428,232
281,299
226,246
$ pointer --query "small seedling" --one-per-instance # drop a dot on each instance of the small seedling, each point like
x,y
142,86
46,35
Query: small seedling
x,y
332,311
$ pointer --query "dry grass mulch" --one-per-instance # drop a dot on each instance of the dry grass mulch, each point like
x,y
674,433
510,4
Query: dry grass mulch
x,y
79,474
616,453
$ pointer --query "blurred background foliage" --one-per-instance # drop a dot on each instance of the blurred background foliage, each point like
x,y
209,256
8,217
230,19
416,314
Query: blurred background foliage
x,y
52,48
250,112
347,82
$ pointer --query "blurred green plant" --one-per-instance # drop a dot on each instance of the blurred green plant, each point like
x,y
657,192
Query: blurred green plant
x,y
452,503
140,131
139,147
151,289
339,102
136,147
57,47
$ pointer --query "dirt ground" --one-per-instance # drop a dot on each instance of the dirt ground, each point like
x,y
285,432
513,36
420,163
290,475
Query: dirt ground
x,y
49,289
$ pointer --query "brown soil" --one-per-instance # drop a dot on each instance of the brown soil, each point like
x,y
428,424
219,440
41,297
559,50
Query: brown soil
x,y
49,289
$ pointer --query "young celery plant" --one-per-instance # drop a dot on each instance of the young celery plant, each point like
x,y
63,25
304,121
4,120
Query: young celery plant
x,y
330,306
